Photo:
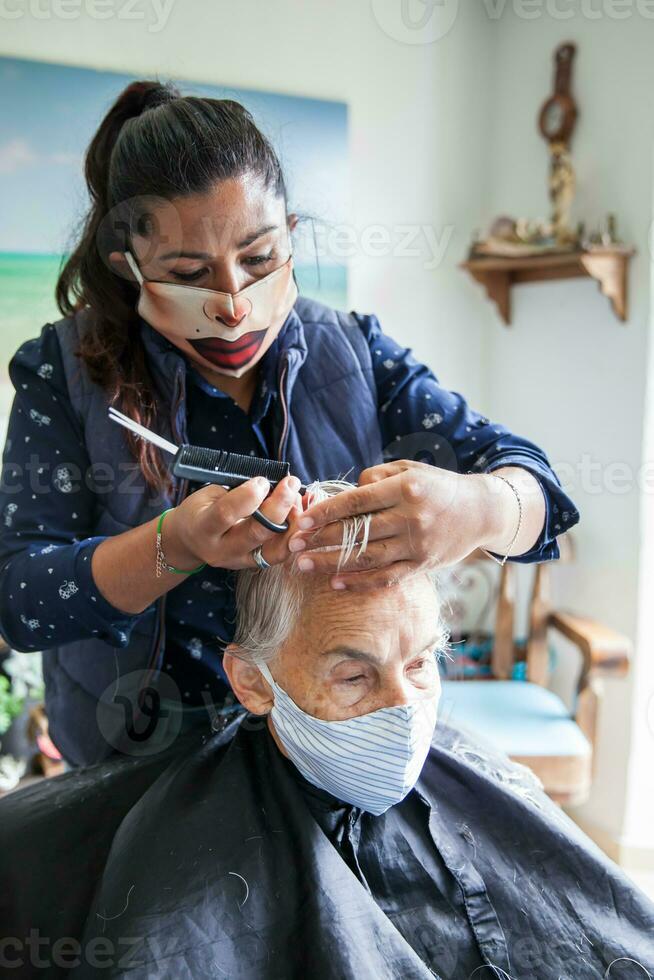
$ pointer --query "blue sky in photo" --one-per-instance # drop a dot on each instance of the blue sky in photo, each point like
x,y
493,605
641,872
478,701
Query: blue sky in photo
x,y
48,114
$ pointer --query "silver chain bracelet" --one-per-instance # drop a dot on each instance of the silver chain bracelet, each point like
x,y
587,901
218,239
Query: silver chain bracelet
x,y
502,561
161,564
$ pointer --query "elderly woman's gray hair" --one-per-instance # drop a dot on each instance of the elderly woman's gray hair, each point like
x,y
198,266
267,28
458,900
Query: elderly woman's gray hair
x,y
269,601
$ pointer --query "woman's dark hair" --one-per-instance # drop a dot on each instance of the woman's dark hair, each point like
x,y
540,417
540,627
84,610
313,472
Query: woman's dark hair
x,y
152,144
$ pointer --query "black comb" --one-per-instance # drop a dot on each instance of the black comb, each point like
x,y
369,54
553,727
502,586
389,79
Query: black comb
x,y
203,465
228,469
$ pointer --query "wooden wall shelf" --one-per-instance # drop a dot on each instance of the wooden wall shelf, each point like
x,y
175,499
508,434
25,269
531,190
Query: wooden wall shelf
x,y
608,266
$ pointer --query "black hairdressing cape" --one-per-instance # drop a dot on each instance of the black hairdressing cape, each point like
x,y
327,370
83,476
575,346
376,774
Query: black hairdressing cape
x,y
204,861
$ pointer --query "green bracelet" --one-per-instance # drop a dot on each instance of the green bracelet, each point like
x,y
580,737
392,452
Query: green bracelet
x,y
161,562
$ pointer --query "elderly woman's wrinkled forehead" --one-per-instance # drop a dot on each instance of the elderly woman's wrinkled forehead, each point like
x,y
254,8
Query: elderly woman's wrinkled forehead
x,y
327,616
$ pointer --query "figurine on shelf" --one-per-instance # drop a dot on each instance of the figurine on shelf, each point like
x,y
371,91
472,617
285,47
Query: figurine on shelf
x,y
562,190
606,238
513,238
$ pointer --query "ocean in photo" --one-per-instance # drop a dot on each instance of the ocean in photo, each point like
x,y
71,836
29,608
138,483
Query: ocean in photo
x,y
27,283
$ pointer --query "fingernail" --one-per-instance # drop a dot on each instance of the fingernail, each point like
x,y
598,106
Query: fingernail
x,y
262,483
297,544
305,523
293,484
305,565
338,584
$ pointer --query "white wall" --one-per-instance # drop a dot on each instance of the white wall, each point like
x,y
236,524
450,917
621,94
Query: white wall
x,y
568,371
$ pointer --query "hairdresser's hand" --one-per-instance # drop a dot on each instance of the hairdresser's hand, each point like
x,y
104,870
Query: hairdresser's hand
x,y
214,525
422,517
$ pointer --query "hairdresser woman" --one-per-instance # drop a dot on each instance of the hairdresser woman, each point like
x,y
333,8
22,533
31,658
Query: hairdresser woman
x,y
181,310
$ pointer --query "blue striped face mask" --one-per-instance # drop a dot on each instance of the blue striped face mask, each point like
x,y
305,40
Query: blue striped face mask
x,y
371,761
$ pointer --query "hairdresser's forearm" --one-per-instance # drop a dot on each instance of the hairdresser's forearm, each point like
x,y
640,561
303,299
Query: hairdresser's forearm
x,y
502,511
124,566
48,596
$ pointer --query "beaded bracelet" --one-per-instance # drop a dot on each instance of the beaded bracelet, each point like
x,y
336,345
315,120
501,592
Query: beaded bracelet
x,y
161,563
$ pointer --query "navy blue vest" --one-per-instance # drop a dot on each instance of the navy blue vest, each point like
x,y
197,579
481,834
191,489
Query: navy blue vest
x,y
328,392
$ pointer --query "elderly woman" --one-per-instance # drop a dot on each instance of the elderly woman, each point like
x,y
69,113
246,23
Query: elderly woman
x,y
335,831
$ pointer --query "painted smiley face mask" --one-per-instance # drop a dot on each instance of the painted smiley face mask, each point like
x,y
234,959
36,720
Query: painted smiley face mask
x,y
226,332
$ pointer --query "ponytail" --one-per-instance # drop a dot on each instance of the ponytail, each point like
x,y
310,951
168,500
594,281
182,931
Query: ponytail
x,y
132,102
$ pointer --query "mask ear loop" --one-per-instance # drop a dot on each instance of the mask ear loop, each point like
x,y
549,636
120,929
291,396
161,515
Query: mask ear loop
x,y
266,673
134,267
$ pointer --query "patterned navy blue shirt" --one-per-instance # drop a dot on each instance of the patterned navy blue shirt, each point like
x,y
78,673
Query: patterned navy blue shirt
x,y
48,595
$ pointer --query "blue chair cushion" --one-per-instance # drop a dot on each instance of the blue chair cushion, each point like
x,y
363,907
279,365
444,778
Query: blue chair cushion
x,y
519,718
